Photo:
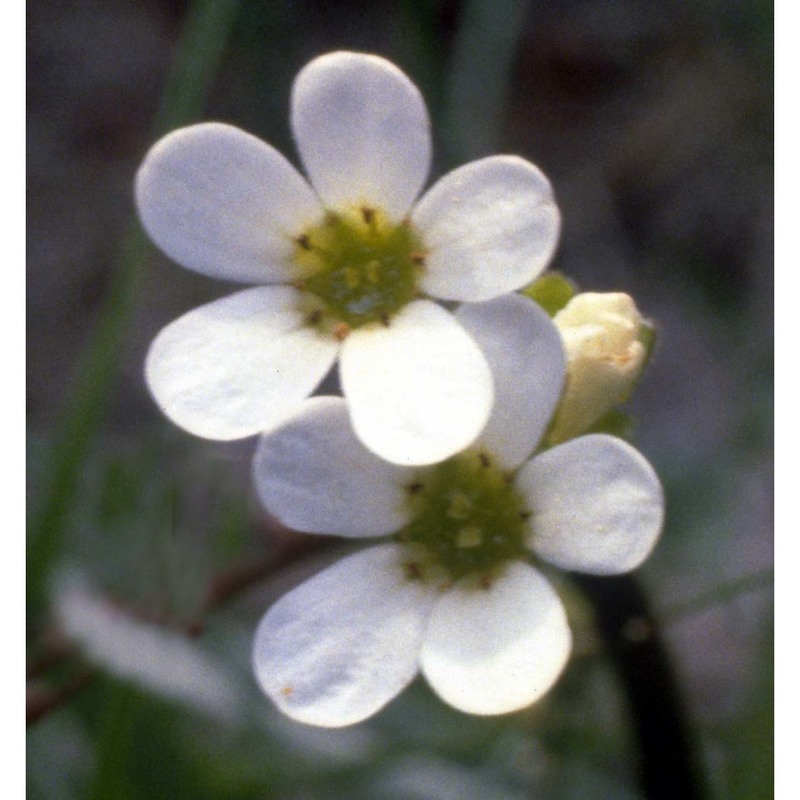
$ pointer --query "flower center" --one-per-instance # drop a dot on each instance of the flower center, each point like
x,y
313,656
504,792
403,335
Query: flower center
x,y
361,268
467,518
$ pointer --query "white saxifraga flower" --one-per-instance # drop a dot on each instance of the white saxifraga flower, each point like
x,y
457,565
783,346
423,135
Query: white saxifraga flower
x,y
349,259
451,592
605,356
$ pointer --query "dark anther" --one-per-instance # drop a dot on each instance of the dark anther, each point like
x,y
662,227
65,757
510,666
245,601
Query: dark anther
x,y
385,320
415,487
315,317
368,214
303,241
484,459
417,258
525,515
413,571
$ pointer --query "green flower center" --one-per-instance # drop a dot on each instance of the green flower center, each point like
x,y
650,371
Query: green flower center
x,y
467,519
361,269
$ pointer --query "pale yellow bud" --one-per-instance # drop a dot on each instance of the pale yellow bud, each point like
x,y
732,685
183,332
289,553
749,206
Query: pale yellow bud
x,y
605,356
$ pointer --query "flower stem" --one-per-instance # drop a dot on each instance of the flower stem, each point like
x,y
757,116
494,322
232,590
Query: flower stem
x,y
669,763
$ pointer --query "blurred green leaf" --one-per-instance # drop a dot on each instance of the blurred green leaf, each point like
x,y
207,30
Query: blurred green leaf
x,y
198,54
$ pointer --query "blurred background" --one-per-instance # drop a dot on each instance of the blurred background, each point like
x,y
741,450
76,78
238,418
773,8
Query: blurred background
x,y
149,560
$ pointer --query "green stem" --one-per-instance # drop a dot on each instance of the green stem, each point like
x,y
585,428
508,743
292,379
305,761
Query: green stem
x,y
199,51
114,743
669,762
480,75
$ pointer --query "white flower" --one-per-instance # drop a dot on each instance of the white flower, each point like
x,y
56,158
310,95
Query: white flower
x,y
452,592
605,357
349,260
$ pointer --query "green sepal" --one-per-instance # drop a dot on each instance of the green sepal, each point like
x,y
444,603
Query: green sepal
x,y
615,423
552,291
648,336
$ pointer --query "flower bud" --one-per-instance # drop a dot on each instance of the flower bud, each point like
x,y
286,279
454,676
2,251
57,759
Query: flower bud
x,y
602,335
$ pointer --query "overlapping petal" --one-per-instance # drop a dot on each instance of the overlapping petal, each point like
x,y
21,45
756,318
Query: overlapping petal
x,y
489,228
340,646
234,367
224,203
419,389
525,354
597,505
314,475
496,649
362,131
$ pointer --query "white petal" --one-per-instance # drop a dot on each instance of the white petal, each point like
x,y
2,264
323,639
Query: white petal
x,y
340,646
488,228
496,649
234,367
314,475
362,131
420,389
224,203
526,356
597,505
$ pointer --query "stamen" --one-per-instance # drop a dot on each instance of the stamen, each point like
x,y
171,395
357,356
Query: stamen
x,y
351,277
460,506
469,536
413,571
373,270
468,521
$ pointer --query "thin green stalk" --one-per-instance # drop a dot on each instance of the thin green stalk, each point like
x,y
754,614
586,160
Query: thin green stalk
x,y
115,740
718,595
198,53
480,75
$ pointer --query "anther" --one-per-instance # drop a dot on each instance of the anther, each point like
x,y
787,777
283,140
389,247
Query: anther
x,y
524,515
413,571
469,536
315,317
484,459
303,241
340,330
414,488
385,320
368,214
417,258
